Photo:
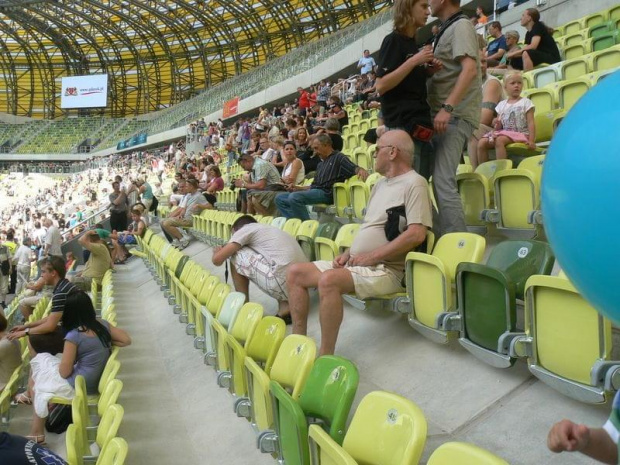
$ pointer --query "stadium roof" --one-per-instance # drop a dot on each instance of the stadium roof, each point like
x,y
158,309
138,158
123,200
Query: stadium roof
x,y
157,53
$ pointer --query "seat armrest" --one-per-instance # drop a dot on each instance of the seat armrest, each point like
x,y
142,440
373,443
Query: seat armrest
x,y
506,345
606,374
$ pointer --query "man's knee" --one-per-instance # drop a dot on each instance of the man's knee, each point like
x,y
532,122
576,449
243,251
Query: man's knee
x,y
297,198
331,282
294,274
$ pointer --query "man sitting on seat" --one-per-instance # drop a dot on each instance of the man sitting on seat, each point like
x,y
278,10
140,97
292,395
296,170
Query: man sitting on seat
x,y
334,167
183,216
99,260
261,254
374,265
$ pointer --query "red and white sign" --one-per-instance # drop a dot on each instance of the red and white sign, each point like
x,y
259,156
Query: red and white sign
x,y
231,108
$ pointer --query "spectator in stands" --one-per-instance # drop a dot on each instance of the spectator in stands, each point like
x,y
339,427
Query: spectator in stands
x,y
375,263
512,44
98,262
332,129
263,176
455,97
118,208
301,139
5,273
366,64
334,167
146,192
277,143
497,47
10,355
53,239
323,93
492,93
215,184
122,238
336,111
69,261
87,346
35,291
540,47
261,254
12,245
482,18
184,218
303,101
45,335
401,80
19,450
514,122
22,261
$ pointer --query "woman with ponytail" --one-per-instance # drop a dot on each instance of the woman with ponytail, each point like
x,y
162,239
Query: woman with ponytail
x,y
540,47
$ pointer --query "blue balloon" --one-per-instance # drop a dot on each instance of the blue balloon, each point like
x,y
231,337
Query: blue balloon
x,y
581,195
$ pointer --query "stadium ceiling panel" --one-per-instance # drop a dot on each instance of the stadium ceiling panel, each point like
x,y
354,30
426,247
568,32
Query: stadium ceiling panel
x,y
156,52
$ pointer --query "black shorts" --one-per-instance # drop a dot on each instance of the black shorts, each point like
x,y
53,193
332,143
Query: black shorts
x,y
50,343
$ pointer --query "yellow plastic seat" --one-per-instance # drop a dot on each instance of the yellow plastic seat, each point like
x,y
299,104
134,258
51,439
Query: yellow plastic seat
x,y
604,60
462,453
241,330
517,195
305,237
594,19
261,347
386,429
430,279
114,453
570,91
105,430
290,369
291,226
372,179
326,249
110,372
342,200
362,158
543,99
359,193
540,77
567,350
195,304
476,189
572,27
279,222
575,68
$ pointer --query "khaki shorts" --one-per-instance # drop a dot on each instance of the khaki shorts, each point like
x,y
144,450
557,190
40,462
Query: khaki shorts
x,y
177,222
369,281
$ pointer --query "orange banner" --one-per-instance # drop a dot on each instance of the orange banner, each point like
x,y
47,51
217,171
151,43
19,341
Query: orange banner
x,y
231,108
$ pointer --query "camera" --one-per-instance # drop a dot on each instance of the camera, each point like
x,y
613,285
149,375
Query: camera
x,y
232,185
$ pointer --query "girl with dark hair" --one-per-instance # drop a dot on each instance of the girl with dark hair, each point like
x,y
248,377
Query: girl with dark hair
x,y
540,47
88,344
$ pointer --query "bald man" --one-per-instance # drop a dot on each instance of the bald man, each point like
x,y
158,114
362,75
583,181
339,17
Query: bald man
x,y
375,264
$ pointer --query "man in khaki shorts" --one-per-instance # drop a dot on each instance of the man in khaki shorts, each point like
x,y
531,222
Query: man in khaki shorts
x,y
374,265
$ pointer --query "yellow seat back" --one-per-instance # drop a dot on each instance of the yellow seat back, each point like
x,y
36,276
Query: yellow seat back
x,y
291,226
386,429
114,453
246,322
324,450
293,363
258,390
264,344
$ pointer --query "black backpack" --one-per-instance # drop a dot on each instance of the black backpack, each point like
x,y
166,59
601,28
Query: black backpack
x,y
59,419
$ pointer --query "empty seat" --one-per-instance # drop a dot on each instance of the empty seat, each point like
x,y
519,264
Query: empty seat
x,y
487,294
306,233
461,453
429,280
385,429
543,99
325,399
604,60
517,195
327,249
279,222
572,69
476,189
568,92
291,226
566,341
362,158
604,41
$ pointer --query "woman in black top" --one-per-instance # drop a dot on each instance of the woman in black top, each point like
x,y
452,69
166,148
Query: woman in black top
x,y
539,44
401,78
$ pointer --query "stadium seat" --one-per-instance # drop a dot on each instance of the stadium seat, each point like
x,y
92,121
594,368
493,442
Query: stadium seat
x,y
604,41
543,99
328,249
567,93
566,341
305,237
476,189
604,60
216,294
326,399
594,19
362,158
577,50
114,453
196,302
572,27
225,315
242,330
290,369
601,29
540,77
429,280
614,13
544,123
291,226
359,192
262,347
575,68
517,195
385,429
487,298
461,453
340,192
279,222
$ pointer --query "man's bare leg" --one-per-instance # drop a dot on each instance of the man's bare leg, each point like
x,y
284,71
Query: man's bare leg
x,y
242,284
332,285
283,308
300,277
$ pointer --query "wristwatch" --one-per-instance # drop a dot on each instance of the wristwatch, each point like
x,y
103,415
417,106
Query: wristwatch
x,y
27,331
446,106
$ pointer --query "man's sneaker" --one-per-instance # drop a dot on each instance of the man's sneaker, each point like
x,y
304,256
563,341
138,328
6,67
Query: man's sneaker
x,y
183,243
176,243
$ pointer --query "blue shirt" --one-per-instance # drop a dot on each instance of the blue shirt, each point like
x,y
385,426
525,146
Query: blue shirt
x,y
367,64
496,44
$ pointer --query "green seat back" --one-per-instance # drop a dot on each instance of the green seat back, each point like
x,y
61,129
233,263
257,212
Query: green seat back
x,y
328,230
291,427
487,293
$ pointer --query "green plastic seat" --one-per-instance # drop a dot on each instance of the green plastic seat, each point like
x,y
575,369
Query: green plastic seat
x,y
325,399
487,296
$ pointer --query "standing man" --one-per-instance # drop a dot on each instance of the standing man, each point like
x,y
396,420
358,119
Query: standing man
x,y
366,63
53,239
12,245
22,261
261,254
303,102
5,273
455,98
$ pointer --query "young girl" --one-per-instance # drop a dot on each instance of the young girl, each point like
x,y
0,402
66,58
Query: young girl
x,y
514,121
88,342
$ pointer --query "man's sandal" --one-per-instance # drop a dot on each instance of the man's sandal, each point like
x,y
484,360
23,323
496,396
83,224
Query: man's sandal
x,y
40,440
23,399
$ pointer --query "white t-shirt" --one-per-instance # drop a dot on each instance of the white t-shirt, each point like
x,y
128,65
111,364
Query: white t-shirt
x,y
22,256
54,239
513,115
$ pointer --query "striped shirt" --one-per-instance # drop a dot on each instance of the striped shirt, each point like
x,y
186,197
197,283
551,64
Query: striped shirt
x,y
60,295
335,168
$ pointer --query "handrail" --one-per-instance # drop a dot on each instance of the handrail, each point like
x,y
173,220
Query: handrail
x,y
88,221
